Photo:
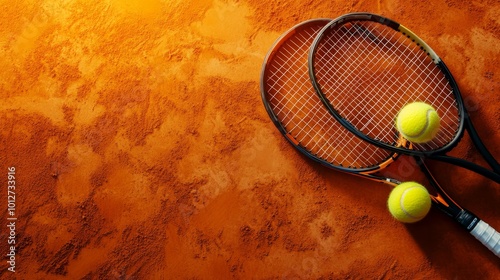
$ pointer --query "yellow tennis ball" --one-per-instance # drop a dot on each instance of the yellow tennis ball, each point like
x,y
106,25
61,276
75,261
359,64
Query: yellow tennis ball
x,y
418,122
409,202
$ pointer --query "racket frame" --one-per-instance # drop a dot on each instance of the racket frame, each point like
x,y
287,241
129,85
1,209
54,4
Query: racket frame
x,y
363,171
463,116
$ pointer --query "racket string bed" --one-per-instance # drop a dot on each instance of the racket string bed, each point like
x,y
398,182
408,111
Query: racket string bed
x,y
301,113
380,64
303,129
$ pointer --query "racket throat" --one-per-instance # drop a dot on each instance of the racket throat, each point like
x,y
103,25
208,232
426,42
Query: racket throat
x,y
440,200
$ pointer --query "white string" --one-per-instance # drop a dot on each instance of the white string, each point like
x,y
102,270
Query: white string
x,y
369,71
293,100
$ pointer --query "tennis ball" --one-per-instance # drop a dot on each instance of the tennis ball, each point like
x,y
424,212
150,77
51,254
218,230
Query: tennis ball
x,y
418,122
409,202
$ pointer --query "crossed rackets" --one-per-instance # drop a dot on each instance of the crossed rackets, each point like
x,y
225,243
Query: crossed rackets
x,y
334,87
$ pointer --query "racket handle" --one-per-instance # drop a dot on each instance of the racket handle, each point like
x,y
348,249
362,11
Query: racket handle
x,y
488,236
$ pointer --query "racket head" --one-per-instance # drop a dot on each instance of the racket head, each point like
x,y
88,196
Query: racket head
x,y
366,67
297,112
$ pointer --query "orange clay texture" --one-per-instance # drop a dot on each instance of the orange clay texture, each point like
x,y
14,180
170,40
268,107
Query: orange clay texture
x,y
143,151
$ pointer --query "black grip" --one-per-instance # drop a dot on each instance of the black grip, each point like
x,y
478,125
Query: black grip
x,y
467,219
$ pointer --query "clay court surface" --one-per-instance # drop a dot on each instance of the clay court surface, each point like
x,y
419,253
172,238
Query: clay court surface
x,y
143,151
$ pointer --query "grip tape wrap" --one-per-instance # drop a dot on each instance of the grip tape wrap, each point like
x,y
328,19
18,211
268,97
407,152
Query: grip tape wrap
x,y
488,236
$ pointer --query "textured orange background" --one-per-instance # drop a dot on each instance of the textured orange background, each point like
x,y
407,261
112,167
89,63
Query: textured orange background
x,y
143,150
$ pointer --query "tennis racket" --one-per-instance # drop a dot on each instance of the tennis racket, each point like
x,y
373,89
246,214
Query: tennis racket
x,y
365,68
300,116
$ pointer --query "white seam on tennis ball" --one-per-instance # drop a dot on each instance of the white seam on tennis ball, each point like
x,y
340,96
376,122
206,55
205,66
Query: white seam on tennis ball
x,y
429,111
401,203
